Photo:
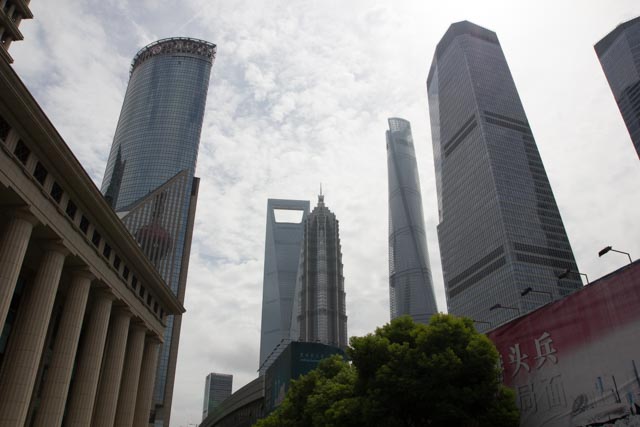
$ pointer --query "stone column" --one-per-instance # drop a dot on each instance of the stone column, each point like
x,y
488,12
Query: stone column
x,y
85,382
23,353
109,386
13,247
56,382
147,380
130,376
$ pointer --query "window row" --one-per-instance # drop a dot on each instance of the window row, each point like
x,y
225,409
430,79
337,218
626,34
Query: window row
x,y
56,193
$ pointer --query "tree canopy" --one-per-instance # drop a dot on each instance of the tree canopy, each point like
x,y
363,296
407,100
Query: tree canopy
x,y
404,374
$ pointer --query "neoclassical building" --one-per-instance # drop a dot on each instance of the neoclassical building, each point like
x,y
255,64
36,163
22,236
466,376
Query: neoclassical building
x,y
83,311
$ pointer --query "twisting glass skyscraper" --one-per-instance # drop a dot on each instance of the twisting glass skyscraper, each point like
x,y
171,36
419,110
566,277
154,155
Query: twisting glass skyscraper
x,y
500,230
149,179
619,54
410,284
319,310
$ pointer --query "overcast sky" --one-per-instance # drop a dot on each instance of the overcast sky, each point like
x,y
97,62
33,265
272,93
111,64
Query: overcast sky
x,y
300,93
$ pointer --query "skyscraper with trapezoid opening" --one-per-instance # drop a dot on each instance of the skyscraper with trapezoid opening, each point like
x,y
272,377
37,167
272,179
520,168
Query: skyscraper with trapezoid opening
x,y
283,242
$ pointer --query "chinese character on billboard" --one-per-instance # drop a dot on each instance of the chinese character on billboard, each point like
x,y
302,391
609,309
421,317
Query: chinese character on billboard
x,y
574,363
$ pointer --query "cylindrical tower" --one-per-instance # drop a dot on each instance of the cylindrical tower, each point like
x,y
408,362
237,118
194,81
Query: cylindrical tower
x,y
159,128
149,177
410,283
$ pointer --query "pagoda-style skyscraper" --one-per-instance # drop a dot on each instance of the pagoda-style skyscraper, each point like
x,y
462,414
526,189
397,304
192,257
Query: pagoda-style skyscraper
x,y
319,312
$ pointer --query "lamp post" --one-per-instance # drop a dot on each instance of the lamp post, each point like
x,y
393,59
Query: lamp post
x,y
506,307
610,249
567,271
530,290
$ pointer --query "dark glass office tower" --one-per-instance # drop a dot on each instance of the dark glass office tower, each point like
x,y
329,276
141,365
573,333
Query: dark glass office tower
x,y
500,230
410,284
619,55
149,179
217,388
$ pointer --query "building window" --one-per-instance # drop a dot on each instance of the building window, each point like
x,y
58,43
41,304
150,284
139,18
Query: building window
x,y
56,192
116,262
155,307
84,224
40,173
134,283
22,152
71,209
141,291
106,251
96,238
149,299
4,129
125,272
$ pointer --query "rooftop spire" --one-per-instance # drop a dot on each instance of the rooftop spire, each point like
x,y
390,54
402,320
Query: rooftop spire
x,y
320,197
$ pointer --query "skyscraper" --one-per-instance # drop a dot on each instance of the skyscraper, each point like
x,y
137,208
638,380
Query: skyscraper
x,y
619,55
149,179
217,387
410,284
319,313
282,246
500,231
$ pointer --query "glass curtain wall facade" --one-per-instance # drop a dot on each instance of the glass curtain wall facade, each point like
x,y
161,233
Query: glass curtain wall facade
x,y
619,55
217,388
149,178
410,284
500,230
319,313
282,246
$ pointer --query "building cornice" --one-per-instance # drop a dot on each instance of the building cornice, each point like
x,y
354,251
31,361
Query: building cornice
x,y
26,110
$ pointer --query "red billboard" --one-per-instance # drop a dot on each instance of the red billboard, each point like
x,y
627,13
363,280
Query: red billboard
x,y
576,362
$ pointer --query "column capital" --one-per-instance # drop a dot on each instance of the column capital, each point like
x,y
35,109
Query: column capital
x,y
154,339
101,290
138,324
55,246
23,213
82,272
121,310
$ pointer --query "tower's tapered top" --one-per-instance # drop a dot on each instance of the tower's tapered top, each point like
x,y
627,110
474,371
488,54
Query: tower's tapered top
x,y
175,45
458,29
606,42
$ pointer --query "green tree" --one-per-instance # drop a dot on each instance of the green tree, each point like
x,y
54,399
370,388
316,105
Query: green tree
x,y
405,374
323,397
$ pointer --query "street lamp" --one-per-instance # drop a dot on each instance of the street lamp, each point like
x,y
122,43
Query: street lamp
x,y
610,249
530,289
567,271
506,307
